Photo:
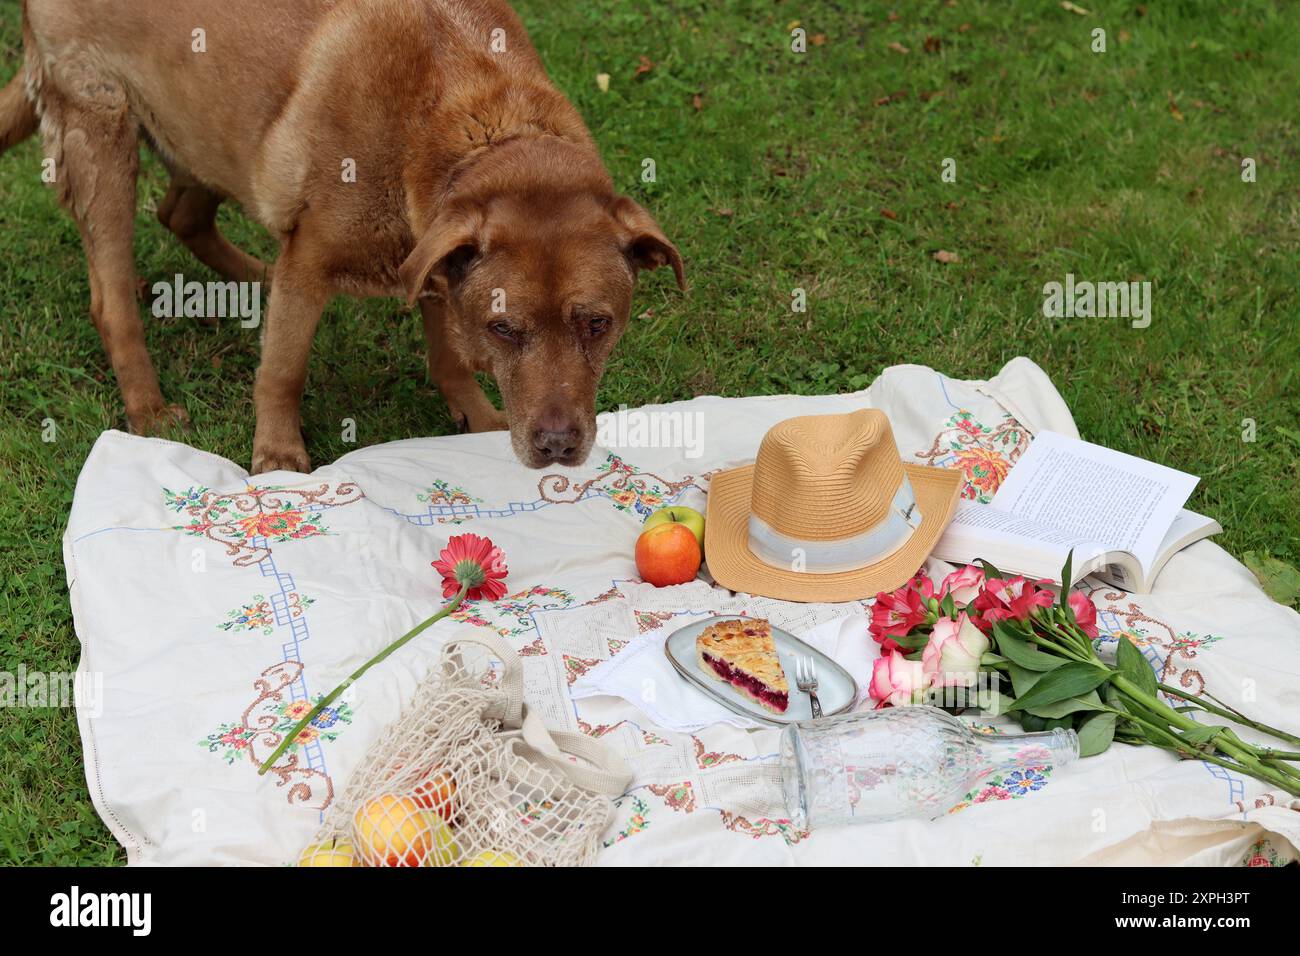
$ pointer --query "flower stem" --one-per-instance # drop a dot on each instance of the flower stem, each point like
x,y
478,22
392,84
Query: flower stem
x,y
356,675
1247,765
1230,713
1248,760
1076,638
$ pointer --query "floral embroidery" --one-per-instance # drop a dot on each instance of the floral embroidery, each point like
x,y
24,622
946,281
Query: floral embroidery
x,y
512,615
635,492
247,522
448,497
635,824
983,454
1009,786
677,796
704,759
259,615
985,470
235,741
649,620
262,726
763,827
1261,853
575,667
530,812
1020,782
1180,649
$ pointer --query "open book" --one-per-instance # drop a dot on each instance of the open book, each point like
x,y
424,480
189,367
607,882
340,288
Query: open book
x,y
1122,516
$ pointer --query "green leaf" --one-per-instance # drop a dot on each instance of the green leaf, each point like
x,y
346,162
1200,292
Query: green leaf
x,y
1031,722
1134,666
1019,651
1063,600
1070,680
1096,734
990,571
912,642
1071,705
1279,580
1022,679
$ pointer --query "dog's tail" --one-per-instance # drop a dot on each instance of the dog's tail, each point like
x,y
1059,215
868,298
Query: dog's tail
x,y
17,114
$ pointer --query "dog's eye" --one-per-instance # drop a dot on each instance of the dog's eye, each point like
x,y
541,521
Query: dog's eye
x,y
503,330
598,325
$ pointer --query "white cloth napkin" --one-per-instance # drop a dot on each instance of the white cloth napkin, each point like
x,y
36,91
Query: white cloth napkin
x,y
641,675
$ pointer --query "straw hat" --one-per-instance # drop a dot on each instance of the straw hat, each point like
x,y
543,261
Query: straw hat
x,y
827,512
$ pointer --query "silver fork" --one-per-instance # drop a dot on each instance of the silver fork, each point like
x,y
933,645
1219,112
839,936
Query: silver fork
x,y
805,676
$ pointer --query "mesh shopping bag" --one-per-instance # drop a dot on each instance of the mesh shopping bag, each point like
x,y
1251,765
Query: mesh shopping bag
x,y
467,776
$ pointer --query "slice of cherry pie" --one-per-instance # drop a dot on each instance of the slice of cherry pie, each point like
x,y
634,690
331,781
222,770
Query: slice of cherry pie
x,y
743,654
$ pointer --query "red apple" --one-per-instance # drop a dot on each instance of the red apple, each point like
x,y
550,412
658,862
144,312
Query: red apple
x,y
667,554
438,794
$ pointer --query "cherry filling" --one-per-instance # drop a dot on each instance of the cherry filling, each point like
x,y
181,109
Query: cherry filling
x,y
777,699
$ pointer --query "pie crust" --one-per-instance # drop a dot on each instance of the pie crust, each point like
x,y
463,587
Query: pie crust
x,y
742,653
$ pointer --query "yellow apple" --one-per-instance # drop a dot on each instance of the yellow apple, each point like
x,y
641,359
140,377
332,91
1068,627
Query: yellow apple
x,y
493,858
678,514
443,850
392,831
335,852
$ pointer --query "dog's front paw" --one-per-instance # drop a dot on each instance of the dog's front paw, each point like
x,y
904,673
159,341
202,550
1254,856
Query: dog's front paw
x,y
158,421
280,458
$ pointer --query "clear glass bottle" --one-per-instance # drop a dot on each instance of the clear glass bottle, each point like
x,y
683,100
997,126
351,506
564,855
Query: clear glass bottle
x,y
879,765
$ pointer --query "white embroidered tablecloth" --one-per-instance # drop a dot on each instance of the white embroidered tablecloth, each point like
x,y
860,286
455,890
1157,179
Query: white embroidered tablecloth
x,y
212,607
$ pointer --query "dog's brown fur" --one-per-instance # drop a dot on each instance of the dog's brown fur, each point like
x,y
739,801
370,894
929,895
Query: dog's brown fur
x,y
478,191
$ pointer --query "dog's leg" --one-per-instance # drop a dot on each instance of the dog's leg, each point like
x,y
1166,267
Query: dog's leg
x,y
96,157
298,297
189,210
469,407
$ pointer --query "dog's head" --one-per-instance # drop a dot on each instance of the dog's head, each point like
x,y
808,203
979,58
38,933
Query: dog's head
x,y
536,272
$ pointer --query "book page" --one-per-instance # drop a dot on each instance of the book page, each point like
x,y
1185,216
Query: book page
x,y
1188,524
1122,502
1012,543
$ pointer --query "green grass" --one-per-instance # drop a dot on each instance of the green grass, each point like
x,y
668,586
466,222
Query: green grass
x,y
1111,166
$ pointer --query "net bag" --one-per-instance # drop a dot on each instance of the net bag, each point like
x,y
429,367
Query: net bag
x,y
467,776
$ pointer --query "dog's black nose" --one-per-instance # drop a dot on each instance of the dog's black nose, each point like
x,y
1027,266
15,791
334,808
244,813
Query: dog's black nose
x,y
556,444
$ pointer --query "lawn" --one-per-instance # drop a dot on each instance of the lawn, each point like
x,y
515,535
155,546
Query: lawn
x,y
775,170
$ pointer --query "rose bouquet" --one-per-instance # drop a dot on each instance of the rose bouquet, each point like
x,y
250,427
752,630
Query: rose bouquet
x,y
1011,646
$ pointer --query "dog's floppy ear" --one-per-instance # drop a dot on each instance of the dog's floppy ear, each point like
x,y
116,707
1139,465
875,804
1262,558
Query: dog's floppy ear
x,y
448,245
646,244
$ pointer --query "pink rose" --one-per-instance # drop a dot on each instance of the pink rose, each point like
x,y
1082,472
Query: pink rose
x,y
896,681
963,585
896,613
1085,612
952,658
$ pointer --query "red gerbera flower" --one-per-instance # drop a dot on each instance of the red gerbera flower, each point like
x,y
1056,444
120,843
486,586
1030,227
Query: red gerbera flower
x,y
473,561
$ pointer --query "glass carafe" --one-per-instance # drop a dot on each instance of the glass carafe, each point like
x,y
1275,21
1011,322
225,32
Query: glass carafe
x,y
898,762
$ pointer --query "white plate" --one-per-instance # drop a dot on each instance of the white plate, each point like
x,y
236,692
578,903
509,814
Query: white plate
x,y
836,688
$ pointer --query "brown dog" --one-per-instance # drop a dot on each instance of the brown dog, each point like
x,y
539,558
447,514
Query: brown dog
x,y
395,147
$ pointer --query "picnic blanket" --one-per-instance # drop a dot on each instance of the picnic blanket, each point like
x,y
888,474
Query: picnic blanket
x,y
212,608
